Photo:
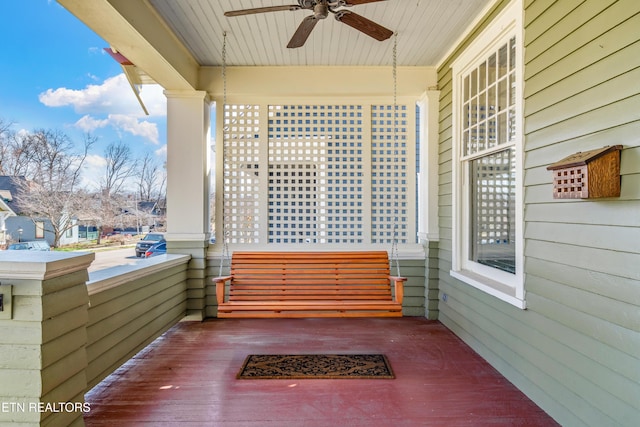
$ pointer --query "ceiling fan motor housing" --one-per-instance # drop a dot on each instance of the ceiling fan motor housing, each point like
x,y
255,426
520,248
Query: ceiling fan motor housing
x,y
320,11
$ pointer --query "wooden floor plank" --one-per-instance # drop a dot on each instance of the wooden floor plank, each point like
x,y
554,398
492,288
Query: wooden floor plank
x,y
188,378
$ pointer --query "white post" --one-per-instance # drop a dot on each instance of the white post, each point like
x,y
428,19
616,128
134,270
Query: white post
x,y
428,178
188,169
188,132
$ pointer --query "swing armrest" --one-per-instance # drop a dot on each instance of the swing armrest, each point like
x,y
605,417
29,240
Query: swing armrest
x,y
398,284
219,282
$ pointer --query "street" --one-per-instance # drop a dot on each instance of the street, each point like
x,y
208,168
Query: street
x,y
112,257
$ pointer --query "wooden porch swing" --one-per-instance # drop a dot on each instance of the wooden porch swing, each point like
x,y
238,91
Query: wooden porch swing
x,y
310,284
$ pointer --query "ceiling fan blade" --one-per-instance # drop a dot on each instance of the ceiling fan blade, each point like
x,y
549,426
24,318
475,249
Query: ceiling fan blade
x,y
364,25
302,33
261,10
357,2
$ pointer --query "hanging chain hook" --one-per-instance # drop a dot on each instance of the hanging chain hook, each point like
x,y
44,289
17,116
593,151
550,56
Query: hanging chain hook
x,y
394,245
225,231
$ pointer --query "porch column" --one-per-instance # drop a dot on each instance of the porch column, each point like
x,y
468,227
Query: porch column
x,y
43,319
188,169
428,226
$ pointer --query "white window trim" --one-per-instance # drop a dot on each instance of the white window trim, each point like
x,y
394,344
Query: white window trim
x,y
502,285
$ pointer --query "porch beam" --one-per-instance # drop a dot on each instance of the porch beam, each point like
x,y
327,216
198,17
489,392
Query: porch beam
x,y
320,81
135,30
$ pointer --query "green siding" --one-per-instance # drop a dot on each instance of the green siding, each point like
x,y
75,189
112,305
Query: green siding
x,y
576,349
123,319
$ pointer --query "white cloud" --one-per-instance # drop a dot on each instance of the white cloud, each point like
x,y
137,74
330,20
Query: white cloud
x,y
105,98
122,123
93,171
136,127
115,101
88,123
161,152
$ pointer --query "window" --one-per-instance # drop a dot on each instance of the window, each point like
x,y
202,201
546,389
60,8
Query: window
x,y
487,160
39,229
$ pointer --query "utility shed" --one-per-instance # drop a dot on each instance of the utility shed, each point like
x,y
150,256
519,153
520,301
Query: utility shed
x,y
588,175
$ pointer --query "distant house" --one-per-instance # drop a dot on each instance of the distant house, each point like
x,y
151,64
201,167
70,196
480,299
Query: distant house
x,y
152,212
5,212
16,227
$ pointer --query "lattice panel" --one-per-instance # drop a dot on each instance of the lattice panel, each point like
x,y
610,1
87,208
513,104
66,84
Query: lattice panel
x,y
315,174
389,174
242,173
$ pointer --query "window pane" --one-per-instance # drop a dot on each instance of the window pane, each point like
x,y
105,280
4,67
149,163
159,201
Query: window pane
x,y
512,89
466,88
512,125
473,112
502,95
502,128
493,210
482,76
502,61
492,133
474,82
491,101
492,70
512,54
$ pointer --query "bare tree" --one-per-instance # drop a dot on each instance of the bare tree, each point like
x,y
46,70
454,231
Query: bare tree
x,y
120,167
51,190
5,144
103,210
18,155
151,179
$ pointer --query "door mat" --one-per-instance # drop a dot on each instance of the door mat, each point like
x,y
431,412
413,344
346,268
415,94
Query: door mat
x,y
315,366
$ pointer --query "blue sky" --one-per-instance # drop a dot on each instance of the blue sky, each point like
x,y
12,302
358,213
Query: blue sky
x,y
54,74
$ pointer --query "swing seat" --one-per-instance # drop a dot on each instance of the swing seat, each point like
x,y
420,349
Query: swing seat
x,y
309,284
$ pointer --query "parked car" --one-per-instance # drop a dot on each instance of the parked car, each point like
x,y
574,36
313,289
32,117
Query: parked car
x,y
148,241
35,245
157,249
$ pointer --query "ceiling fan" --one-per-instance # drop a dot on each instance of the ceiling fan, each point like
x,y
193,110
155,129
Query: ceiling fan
x,y
321,9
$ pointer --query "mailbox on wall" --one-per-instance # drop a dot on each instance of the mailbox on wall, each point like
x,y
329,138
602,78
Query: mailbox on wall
x,y
588,175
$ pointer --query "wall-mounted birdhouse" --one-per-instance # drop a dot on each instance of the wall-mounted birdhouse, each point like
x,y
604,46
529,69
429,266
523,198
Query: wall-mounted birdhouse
x,y
588,174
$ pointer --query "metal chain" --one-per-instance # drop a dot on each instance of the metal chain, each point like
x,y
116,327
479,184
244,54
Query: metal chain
x,y
225,231
394,245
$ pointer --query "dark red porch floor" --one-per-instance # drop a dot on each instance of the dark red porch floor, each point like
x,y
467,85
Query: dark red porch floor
x,y
188,378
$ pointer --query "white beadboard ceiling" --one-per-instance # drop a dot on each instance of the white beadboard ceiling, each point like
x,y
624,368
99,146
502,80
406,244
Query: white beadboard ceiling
x,y
426,30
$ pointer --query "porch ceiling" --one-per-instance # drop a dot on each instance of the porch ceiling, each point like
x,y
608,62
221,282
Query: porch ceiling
x,y
170,41
426,31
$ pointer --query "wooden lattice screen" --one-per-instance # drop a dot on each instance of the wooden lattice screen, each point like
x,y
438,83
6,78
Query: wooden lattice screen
x,y
316,174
